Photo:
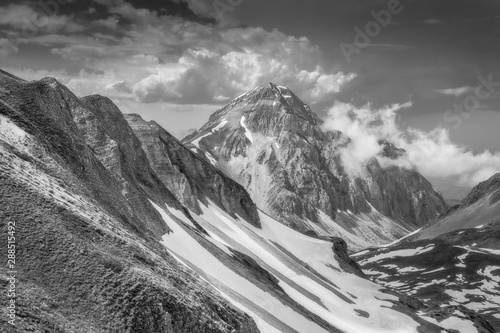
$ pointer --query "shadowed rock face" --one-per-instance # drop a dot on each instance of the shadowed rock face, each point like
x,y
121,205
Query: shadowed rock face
x,y
483,189
190,177
272,143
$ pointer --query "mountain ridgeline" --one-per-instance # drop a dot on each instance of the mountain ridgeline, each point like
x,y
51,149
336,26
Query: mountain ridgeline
x,y
273,144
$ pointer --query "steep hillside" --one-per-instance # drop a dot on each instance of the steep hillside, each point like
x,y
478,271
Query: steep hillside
x,y
480,208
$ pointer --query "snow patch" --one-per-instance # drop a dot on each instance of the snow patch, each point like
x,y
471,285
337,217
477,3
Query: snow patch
x,y
248,134
399,240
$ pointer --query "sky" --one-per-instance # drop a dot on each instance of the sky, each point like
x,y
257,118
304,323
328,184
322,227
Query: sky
x,y
434,62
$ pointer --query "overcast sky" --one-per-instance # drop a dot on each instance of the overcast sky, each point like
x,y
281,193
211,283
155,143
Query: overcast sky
x,y
177,61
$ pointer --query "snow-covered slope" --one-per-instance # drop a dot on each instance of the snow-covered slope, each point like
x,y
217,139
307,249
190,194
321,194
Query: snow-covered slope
x,y
313,288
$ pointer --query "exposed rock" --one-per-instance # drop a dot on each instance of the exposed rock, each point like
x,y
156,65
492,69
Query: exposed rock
x,y
190,177
346,262
488,187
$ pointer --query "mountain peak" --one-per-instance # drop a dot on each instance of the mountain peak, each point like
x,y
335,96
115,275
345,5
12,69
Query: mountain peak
x,y
268,100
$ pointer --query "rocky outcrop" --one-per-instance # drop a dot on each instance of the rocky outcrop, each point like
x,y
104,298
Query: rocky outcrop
x,y
490,186
190,177
273,144
346,263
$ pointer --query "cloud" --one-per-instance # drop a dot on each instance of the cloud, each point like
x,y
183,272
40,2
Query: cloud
x,y
457,92
218,10
168,59
28,22
154,57
202,75
201,7
7,47
432,154
110,23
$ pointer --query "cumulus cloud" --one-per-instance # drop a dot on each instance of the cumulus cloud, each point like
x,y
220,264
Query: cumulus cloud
x,y
457,92
185,62
28,22
432,154
219,10
109,23
154,57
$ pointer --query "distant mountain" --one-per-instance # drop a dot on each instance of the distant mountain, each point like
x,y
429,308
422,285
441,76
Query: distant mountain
x,y
120,228
272,143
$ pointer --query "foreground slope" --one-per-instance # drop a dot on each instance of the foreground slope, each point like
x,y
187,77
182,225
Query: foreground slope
x,y
89,257
272,143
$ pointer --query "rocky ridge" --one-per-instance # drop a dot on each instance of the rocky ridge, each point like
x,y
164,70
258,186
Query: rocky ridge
x,y
480,208
188,176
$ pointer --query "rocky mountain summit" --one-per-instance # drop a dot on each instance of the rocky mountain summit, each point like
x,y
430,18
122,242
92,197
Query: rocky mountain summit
x,y
274,145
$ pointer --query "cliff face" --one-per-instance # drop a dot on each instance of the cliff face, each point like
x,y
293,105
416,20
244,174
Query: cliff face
x,y
272,143
190,177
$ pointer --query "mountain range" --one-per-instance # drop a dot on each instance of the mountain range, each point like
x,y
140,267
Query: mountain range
x,y
244,226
